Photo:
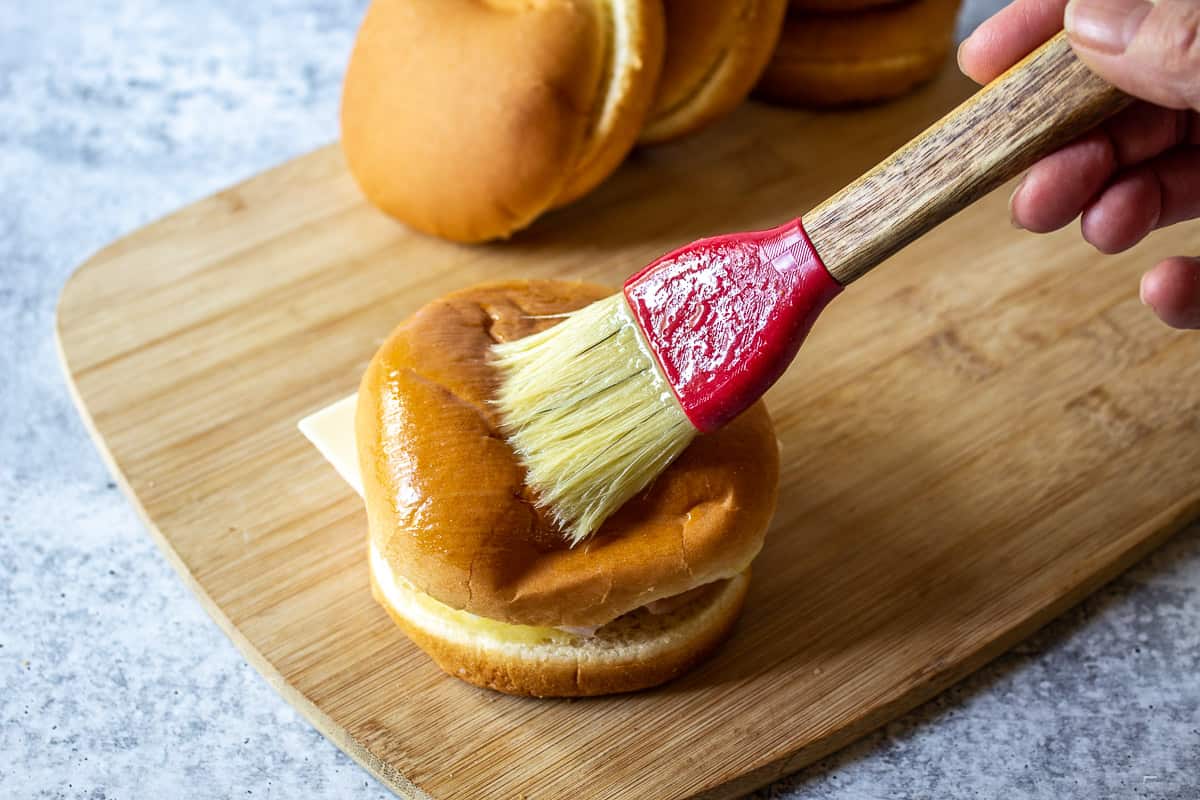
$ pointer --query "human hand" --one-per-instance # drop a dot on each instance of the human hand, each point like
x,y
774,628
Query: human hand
x,y
1140,170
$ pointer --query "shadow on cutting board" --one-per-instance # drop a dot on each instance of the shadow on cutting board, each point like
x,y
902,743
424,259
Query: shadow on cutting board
x,y
763,162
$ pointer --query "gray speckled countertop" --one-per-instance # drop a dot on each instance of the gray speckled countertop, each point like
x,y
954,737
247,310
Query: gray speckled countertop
x,y
114,683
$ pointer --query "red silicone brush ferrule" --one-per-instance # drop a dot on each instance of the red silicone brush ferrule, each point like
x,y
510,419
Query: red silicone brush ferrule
x,y
725,316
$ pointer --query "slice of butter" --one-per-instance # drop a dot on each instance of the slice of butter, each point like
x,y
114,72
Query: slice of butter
x,y
331,430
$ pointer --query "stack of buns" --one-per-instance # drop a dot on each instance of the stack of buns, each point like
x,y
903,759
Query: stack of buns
x,y
851,52
715,52
476,574
467,119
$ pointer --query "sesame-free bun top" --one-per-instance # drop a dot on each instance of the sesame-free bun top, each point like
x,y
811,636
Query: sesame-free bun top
x,y
859,57
839,5
467,119
716,49
448,509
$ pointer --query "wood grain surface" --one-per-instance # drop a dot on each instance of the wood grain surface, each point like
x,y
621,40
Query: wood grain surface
x,y
974,437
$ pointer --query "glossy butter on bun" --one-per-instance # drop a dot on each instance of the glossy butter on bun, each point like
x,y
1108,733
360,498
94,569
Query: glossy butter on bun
x,y
716,51
474,571
466,119
859,57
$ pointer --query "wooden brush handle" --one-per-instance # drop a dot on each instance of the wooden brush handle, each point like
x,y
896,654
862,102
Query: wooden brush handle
x,y
1041,103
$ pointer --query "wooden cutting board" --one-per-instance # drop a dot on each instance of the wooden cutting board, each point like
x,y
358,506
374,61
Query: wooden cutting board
x,y
974,437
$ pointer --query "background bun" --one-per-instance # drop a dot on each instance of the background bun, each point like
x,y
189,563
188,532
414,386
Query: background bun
x,y
860,57
468,119
716,50
445,496
837,6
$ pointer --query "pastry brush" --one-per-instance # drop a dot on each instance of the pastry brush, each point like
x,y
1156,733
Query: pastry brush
x,y
599,404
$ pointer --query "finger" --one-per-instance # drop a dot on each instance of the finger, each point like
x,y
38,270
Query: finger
x,y
1143,131
1161,192
1149,50
1124,213
1172,289
1057,188
1178,174
1012,33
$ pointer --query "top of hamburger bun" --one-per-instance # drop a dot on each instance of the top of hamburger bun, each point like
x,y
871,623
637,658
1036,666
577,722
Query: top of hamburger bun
x,y
445,496
858,57
716,50
468,119
839,6
874,34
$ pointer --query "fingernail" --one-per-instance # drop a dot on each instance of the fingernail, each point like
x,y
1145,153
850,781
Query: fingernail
x,y
1012,217
1107,26
1142,291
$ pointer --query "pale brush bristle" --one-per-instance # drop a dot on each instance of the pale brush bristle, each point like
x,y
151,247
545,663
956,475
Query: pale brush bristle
x,y
588,411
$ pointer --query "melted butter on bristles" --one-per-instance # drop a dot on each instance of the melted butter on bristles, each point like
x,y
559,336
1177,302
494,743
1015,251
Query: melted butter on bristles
x,y
589,413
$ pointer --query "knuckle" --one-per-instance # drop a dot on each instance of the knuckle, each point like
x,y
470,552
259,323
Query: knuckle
x,y
1167,49
1179,41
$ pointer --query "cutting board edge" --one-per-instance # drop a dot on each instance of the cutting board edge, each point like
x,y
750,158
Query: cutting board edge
x,y
394,780
1164,524
1174,519
224,199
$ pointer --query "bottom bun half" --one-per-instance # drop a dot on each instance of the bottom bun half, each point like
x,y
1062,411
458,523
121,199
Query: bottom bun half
x,y
635,651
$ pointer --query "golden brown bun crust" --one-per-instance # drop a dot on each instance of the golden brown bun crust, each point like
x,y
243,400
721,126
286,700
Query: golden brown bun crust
x,y
637,83
467,119
716,50
446,500
567,678
845,59
838,6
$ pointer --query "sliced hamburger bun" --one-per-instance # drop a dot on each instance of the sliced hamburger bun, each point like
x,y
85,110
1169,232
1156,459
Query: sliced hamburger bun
x,y
467,120
635,55
634,651
716,51
451,519
853,58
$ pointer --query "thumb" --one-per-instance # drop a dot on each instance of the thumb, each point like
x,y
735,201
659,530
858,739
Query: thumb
x,y
1150,50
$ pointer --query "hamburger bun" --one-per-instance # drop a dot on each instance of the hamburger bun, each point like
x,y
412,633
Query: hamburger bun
x,y
716,50
453,525
825,60
838,6
634,651
467,120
